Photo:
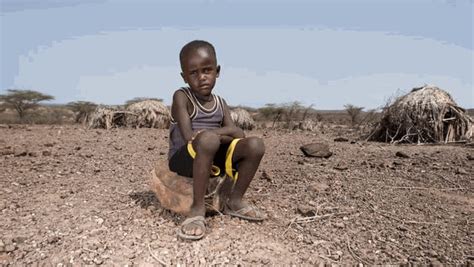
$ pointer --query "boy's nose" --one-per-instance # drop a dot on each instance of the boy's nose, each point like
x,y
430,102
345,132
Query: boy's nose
x,y
202,77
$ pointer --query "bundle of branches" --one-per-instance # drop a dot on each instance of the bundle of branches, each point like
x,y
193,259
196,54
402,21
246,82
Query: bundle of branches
x,y
107,117
425,115
242,118
307,125
149,113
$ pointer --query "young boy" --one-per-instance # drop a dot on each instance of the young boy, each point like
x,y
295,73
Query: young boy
x,y
205,142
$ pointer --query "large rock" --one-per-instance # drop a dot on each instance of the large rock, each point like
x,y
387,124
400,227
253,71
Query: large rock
x,y
318,150
175,192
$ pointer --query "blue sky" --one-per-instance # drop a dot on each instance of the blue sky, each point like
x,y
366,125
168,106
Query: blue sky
x,y
325,53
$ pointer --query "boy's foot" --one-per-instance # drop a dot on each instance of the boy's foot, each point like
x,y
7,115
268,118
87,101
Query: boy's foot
x,y
244,211
193,228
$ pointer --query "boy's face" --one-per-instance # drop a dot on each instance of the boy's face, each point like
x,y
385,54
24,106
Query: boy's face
x,y
200,71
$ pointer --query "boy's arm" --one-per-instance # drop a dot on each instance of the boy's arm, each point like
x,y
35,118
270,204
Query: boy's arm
x,y
179,111
228,131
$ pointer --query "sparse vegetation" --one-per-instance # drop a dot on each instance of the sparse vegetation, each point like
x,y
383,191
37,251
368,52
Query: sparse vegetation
x,y
23,100
354,113
82,110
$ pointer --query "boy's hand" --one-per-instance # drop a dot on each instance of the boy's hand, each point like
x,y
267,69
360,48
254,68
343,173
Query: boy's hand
x,y
225,139
232,131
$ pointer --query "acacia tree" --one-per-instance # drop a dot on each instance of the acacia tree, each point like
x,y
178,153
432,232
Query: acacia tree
x,y
22,100
354,112
82,110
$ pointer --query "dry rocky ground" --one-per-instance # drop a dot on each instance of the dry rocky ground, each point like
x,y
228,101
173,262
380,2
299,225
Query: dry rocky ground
x,y
72,195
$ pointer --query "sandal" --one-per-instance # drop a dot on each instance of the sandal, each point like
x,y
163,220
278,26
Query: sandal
x,y
243,213
196,220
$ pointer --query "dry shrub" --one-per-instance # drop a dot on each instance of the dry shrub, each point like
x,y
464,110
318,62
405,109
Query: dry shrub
x,y
82,110
242,118
149,114
426,114
308,125
51,114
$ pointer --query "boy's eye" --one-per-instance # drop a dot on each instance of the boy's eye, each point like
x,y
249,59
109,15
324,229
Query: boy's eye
x,y
193,72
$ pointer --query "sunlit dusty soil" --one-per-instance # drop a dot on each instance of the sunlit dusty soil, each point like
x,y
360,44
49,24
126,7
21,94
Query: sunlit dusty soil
x,y
72,195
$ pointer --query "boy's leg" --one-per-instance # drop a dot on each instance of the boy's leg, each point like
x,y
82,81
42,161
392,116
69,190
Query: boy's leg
x,y
248,153
206,145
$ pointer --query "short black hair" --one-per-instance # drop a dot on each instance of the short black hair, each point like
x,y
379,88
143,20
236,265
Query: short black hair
x,y
193,46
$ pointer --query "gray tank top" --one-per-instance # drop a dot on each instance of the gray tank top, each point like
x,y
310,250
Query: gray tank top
x,y
201,118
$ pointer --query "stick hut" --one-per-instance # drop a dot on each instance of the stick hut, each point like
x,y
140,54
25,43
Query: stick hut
x,y
427,114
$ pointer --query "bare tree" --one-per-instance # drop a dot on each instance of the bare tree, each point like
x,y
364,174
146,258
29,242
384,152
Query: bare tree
x,y
22,100
354,113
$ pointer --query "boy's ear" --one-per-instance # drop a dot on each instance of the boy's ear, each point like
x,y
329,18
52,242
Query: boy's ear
x,y
218,70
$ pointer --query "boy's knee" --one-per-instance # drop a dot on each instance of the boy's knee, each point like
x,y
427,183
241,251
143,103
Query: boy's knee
x,y
206,142
256,146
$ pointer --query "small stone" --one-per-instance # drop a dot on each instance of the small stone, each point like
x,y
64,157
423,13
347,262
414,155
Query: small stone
x,y
318,150
98,261
461,171
402,155
33,154
340,139
18,240
21,154
339,225
10,248
402,228
53,239
306,210
46,153
266,176
433,253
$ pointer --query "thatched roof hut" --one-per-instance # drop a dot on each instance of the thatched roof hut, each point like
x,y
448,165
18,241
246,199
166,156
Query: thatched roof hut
x,y
242,118
148,113
427,114
107,117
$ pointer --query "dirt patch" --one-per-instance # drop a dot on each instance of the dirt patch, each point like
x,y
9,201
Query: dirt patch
x,y
82,196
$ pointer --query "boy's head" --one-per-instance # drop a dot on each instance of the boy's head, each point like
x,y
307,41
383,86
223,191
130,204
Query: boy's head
x,y
199,66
